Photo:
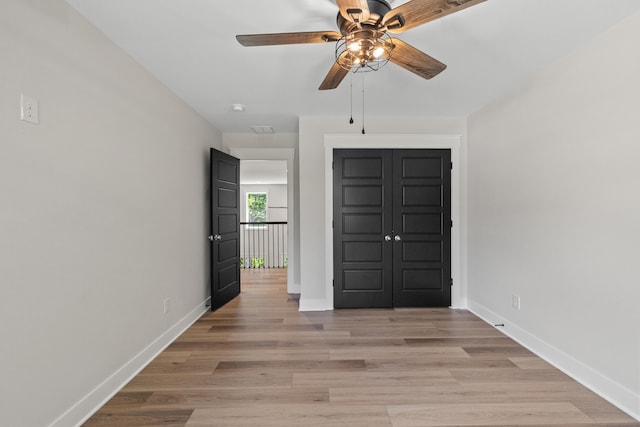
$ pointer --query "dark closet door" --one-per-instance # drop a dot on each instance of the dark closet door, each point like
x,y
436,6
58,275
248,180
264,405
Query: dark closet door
x,y
225,228
422,228
362,219
392,234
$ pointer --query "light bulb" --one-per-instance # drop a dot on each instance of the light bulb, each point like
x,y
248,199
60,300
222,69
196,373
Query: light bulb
x,y
378,52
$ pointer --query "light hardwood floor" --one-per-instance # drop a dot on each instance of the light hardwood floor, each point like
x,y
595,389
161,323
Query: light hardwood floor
x,y
259,362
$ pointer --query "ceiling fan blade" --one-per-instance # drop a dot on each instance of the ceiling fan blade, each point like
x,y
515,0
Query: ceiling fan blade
x,y
354,10
334,77
288,38
414,60
418,12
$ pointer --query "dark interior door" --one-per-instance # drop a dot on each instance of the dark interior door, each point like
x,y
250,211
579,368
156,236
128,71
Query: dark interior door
x,y
392,234
225,228
362,219
422,228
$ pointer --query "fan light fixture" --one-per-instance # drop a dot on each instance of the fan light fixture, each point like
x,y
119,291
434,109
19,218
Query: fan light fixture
x,y
362,43
364,50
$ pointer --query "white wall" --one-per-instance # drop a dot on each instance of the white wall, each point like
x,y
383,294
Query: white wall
x,y
554,213
315,280
103,214
259,141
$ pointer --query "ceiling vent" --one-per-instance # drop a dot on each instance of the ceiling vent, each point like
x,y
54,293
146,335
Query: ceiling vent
x,y
262,129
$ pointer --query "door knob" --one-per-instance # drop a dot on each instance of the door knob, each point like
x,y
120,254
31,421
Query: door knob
x,y
215,237
387,238
397,238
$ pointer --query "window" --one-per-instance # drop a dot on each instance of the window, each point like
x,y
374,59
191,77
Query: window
x,y
256,207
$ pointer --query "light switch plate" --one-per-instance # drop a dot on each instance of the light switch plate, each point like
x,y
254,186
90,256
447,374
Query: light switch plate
x,y
28,109
515,302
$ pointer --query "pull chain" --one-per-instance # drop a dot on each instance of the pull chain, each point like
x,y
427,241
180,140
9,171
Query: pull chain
x,y
351,106
363,132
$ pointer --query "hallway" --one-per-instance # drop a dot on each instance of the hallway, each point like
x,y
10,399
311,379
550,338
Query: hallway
x,y
259,362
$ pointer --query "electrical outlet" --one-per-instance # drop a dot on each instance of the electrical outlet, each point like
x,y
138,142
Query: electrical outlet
x,y
515,302
28,109
167,305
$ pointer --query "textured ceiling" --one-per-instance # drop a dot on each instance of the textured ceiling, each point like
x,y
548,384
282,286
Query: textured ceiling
x,y
490,48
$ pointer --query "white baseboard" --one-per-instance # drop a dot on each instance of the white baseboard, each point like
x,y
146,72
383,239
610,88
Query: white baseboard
x,y
605,387
293,288
307,304
96,398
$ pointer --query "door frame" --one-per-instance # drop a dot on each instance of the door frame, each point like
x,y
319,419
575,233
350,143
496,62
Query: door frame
x,y
287,154
408,141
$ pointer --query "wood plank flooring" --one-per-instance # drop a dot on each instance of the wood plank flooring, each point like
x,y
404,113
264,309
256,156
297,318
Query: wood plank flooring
x,y
259,362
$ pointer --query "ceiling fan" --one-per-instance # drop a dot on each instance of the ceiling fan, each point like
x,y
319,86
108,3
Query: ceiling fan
x,y
363,42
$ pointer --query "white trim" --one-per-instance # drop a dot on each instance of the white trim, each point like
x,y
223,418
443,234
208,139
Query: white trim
x,y
452,142
613,392
100,395
287,154
306,304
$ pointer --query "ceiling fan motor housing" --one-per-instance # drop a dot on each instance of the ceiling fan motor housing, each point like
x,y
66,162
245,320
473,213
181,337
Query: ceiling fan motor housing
x,y
364,45
377,8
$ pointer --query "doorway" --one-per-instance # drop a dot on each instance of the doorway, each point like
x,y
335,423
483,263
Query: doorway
x,y
392,228
264,214
288,155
